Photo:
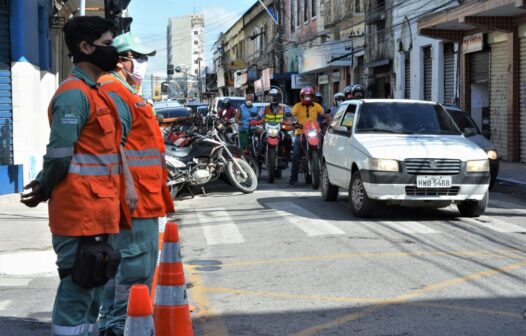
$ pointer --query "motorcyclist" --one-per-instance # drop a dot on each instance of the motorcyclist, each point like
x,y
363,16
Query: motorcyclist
x,y
319,99
305,109
277,112
354,91
227,112
339,97
247,113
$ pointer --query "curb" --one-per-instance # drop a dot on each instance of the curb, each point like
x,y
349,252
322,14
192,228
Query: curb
x,y
9,199
512,181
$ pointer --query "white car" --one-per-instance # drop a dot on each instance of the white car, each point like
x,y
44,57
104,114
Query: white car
x,y
402,152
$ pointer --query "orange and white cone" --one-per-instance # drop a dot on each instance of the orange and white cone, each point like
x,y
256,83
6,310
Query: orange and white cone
x,y
162,225
139,321
171,310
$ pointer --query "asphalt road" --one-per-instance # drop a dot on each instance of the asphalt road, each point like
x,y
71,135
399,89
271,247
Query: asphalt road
x,y
281,261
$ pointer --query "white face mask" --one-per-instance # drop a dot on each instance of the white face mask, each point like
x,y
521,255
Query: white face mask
x,y
139,71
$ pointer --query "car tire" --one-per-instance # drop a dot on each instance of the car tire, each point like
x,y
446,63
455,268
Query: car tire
x,y
473,208
361,205
329,192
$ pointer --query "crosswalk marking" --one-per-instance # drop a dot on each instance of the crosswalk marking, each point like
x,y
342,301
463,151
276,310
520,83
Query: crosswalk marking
x,y
409,227
495,224
305,220
217,233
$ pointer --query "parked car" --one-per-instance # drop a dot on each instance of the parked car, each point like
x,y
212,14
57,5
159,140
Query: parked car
x,y
402,152
195,106
471,131
174,113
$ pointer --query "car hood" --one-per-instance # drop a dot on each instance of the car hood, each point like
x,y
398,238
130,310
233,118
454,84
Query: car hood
x,y
401,146
482,142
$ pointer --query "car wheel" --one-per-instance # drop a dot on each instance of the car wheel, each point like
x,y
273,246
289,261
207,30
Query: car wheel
x,y
329,192
361,205
473,208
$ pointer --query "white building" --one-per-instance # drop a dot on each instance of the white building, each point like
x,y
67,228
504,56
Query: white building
x,y
185,40
425,68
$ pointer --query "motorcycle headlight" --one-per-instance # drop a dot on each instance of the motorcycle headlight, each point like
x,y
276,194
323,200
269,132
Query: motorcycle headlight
x,y
384,165
272,132
477,166
312,133
492,154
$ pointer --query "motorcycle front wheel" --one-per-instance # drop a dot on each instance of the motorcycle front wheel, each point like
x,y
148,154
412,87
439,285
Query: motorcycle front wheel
x,y
315,167
271,164
246,185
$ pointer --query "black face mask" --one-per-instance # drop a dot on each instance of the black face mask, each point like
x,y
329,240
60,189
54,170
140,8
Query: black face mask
x,y
104,57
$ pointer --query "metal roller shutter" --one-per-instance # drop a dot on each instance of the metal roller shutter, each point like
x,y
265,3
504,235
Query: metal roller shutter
x,y
522,98
498,96
324,90
479,61
360,70
428,73
449,72
407,76
6,110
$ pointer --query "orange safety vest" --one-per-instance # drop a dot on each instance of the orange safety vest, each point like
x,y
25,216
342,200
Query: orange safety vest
x,y
144,150
86,201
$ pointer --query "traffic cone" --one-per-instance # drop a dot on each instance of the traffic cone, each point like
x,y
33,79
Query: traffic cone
x,y
171,310
162,225
139,321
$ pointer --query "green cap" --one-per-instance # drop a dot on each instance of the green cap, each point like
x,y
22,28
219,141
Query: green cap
x,y
127,41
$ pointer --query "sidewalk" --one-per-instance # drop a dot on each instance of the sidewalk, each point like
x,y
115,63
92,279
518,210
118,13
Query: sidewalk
x,y
512,173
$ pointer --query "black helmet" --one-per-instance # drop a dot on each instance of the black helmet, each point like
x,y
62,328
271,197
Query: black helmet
x,y
354,91
275,96
227,103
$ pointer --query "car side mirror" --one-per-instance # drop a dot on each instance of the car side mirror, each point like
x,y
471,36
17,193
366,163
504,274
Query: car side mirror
x,y
470,131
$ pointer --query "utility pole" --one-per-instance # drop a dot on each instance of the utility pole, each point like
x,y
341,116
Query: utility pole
x,y
199,79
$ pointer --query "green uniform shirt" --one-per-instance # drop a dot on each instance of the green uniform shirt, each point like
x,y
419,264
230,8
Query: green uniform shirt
x,y
70,112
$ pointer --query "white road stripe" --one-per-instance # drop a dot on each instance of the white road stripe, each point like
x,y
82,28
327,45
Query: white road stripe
x,y
305,220
409,227
495,224
4,304
222,229
28,263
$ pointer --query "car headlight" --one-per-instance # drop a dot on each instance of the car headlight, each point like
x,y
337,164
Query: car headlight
x,y
384,165
312,133
272,132
492,154
477,166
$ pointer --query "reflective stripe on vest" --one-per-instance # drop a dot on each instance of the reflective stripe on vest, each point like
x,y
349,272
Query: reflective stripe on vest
x,y
58,330
171,295
60,152
93,170
270,116
101,159
142,153
144,162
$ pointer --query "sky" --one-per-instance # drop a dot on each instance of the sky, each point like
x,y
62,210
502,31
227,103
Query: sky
x,y
150,19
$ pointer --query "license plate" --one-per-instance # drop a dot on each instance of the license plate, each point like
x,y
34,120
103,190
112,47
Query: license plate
x,y
431,181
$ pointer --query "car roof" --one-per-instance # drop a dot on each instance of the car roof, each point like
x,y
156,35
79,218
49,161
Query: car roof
x,y
410,101
453,108
231,97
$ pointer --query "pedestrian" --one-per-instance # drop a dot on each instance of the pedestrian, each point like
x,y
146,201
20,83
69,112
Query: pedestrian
x,y
247,112
81,179
144,148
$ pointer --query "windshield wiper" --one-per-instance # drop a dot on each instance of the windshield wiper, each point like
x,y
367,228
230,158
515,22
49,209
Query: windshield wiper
x,y
384,130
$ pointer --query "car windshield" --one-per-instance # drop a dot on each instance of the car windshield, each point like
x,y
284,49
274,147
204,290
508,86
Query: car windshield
x,y
464,121
404,118
236,103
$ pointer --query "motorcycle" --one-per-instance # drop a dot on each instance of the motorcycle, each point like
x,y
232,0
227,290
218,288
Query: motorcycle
x,y
311,153
205,160
275,152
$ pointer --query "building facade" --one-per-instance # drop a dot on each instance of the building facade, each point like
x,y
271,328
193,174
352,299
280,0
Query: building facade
x,y
185,42
492,52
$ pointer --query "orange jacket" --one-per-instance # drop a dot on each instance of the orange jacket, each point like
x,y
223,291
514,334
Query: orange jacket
x,y
86,201
144,150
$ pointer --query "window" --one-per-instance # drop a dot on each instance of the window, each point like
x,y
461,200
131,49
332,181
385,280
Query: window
x,y
195,71
196,32
196,62
358,6
348,119
313,8
297,12
305,10
292,16
196,42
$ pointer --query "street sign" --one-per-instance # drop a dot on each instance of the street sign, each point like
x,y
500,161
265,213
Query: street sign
x,y
299,81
